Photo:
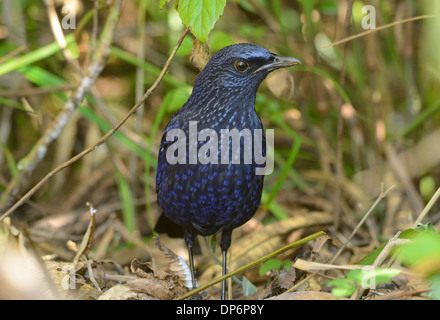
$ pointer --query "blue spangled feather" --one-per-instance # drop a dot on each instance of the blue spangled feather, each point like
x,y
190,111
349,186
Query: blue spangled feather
x,y
208,198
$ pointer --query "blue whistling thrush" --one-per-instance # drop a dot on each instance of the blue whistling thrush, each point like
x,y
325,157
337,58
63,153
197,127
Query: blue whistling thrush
x,y
215,196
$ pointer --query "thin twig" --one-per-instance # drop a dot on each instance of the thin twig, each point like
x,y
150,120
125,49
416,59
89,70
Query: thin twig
x,y
427,207
366,215
359,35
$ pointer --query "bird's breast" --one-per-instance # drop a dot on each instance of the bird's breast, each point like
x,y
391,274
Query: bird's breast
x,y
214,185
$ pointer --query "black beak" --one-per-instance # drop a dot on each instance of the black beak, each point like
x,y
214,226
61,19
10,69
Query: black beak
x,y
279,62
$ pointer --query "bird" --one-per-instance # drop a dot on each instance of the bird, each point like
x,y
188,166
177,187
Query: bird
x,y
207,193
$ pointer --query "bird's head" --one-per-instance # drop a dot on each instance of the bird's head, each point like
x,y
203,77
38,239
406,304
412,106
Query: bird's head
x,y
241,66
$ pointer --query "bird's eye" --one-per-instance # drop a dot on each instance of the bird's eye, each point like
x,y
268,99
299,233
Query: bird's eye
x,y
241,65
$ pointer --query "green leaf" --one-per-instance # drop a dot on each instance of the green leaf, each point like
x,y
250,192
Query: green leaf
x,y
270,265
200,15
424,247
342,287
384,275
369,259
425,227
367,277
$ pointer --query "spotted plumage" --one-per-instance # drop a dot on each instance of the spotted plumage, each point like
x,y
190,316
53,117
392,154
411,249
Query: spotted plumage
x,y
217,197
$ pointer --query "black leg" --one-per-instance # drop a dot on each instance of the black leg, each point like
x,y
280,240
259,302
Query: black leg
x,y
225,252
225,243
189,239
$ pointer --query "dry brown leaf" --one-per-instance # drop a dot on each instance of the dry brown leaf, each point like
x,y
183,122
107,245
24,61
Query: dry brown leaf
x,y
141,269
320,242
176,264
305,295
314,285
118,292
259,249
199,54
87,292
281,281
257,244
316,266
287,278
156,288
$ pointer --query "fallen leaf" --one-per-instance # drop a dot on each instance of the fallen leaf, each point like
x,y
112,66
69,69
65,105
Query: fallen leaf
x,y
141,269
177,265
156,288
305,295
118,292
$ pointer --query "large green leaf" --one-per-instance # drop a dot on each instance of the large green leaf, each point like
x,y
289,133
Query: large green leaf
x,y
200,15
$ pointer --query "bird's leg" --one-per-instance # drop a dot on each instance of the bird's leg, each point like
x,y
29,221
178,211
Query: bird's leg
x,y
225,252
225,243
191,266
189,239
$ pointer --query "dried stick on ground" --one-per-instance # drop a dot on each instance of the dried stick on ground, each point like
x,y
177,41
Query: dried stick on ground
x,y
103,139
27,164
